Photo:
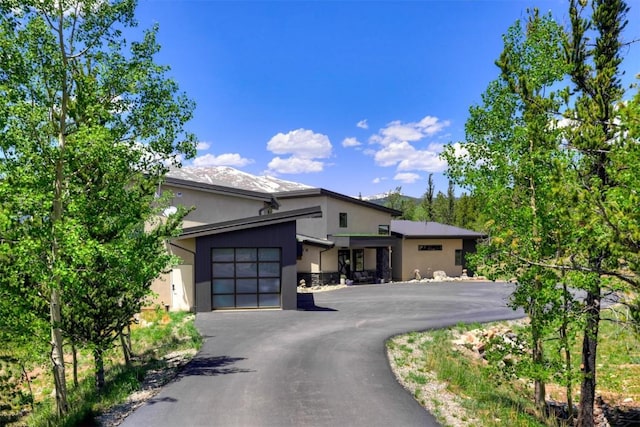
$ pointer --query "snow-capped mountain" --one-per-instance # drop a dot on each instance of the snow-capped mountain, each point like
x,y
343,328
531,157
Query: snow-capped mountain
x,y
230,177
376,196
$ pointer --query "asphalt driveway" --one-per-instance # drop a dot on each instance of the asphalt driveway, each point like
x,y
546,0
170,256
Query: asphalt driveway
x,y
323,365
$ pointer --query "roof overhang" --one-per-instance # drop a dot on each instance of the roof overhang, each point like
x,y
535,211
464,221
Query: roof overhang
x,y
356,241
251,222
313,192
441,237
314,241
220,189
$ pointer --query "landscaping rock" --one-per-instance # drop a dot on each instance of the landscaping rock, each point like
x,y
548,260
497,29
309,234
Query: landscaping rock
x,y
439,275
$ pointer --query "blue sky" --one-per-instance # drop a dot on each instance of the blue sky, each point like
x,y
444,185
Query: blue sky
x,y
355,97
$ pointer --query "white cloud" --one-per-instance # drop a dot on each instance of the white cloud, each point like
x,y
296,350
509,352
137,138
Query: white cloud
x,y
304,147
428,161
227,159
202,146
301,143
397,146
407,177
362,124
350,142
378,180
394,153
294,165
396,130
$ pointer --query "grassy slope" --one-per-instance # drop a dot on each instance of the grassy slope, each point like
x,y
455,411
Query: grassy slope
x,y
156,334
482,399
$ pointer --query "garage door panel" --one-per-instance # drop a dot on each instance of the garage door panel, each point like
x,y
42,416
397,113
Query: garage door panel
x,y
246,277
223,286
245,269
223,301
225,269
247,301
269,300
247,286
270,285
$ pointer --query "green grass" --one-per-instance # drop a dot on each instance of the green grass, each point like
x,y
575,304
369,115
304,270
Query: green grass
x,y
618,366
498,403
488,403
163,333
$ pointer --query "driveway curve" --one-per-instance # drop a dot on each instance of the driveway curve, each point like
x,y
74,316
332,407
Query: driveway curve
x,y
323,365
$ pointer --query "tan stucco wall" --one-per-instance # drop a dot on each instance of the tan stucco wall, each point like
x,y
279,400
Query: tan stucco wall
x,y
369,259
161,286
314,227
312,263
176,288
406,251
212,207
310,260
360,219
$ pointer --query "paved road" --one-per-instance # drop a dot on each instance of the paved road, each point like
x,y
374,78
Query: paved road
x,y
322,366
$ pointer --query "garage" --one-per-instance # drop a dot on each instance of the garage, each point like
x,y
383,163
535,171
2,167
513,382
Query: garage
x,y
245,277
248,263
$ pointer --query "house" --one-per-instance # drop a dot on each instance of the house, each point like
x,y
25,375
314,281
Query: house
x,y
236,250
350,240
244,248
430,246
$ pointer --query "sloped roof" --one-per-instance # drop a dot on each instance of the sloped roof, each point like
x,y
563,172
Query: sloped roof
x,y
218,189
315,241
251,222
312,192
414,229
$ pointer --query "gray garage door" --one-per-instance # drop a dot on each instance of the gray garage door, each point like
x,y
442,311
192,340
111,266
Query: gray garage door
x,y
245,277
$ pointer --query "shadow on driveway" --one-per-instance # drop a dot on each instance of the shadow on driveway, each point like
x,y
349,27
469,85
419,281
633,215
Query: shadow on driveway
x,y
212,366
306,302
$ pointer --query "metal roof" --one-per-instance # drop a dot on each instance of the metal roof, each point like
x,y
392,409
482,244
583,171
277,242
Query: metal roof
x,y
251,222
413,229
219,189
314,241
311,192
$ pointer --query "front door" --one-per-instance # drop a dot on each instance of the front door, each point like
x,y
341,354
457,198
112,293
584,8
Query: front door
x,y
344,263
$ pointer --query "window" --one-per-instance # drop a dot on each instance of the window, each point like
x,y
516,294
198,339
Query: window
x,y
343,220
429,247
383,229
245,277
458,256
358,258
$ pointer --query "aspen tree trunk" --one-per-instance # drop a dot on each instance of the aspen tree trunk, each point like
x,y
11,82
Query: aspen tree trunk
x,y
57,353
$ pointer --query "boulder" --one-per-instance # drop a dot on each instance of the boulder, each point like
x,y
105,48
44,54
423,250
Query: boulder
x,y
439,275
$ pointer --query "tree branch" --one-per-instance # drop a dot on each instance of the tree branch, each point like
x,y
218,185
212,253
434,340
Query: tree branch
x,y
632,280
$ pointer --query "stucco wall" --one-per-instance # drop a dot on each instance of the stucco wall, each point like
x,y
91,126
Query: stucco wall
x,y
161,287
176,288
310,260
360,219
212,207
314,227
427,261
